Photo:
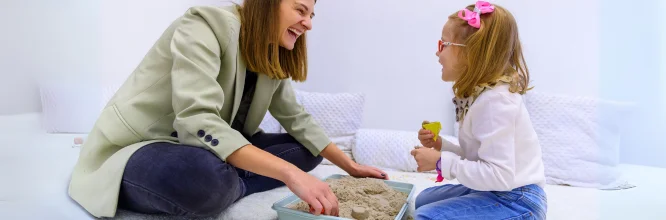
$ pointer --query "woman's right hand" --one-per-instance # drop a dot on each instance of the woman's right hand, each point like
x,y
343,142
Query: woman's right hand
x,y
426,138
315,192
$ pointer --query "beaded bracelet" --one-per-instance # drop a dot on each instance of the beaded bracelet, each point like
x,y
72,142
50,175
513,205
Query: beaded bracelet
x,y
440,178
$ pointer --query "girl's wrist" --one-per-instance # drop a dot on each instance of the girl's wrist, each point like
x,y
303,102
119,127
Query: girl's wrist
x,y
438,167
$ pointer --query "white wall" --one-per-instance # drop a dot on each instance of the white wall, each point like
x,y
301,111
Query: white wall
x,y
662,57
393,47
386,49
94,41
130,28
44,40
632,71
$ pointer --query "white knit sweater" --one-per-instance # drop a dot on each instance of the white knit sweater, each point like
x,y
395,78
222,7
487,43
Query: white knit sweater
x,y
499,149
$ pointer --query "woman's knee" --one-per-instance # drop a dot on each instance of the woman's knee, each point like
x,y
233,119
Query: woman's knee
x,y
184,180
313,162
210,195
297,154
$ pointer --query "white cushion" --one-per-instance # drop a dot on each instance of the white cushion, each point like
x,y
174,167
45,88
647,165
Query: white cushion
x,y
580,139
69,107
270,125
389,149
340,115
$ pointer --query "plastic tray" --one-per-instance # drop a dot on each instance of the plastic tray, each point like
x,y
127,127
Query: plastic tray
x,y
285,213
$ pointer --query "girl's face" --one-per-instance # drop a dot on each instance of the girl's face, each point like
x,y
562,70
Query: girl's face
x,y
447,53
295,19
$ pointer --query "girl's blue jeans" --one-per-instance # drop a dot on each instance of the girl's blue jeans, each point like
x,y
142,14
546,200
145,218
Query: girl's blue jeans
x,y
459,202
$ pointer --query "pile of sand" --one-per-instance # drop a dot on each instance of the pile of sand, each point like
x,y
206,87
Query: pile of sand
x,y
368,199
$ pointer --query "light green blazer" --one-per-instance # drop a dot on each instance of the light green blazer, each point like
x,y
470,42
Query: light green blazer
x,y
191,81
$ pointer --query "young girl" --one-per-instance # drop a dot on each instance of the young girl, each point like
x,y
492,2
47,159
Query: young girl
x,y
498,162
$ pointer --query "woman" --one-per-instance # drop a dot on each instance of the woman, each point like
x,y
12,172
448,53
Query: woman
x,y
181,136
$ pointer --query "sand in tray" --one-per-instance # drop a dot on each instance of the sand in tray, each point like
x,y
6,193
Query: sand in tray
x,y
363,199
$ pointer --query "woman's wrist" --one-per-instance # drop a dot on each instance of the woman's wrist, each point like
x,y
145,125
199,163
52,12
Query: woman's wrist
x,y
288,174
350,166
258,161
340,159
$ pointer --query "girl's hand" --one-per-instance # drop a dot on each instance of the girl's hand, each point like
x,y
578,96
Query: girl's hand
x,y
426,158
426,138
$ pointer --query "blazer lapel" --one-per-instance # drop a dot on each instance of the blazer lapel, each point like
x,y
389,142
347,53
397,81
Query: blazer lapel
x,y
240,84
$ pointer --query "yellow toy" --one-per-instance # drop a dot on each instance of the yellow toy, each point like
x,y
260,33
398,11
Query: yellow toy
x,y
433,127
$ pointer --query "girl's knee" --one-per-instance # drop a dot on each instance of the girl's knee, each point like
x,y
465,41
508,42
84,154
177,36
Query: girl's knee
x,y
433,194
425,213
421,200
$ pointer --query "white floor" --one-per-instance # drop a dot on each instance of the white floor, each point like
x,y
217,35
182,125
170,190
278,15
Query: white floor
x,y
35,167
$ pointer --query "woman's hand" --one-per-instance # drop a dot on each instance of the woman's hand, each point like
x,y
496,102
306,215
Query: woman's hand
x,y
426,138
335,155
426,158
361,171
310,189
315,192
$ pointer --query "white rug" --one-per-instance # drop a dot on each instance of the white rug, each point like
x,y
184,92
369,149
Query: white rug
x,y
259,205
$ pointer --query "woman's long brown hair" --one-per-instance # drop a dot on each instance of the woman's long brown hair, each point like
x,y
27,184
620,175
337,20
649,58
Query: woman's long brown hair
x,y
259,42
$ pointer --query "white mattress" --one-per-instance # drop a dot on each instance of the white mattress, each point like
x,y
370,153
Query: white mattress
x,y
35,169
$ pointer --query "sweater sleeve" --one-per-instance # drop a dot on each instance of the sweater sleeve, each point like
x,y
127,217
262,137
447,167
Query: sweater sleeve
x,y
451,147
493,125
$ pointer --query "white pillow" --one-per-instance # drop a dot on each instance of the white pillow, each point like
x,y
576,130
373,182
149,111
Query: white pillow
x,y
339,114
270,125
70,107
389,149
580,139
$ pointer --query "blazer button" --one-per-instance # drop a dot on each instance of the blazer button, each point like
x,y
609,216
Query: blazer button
x,y
215,142
208,138
201,133
174,134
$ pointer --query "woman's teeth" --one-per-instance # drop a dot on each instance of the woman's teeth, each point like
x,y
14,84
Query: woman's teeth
x,y
294,32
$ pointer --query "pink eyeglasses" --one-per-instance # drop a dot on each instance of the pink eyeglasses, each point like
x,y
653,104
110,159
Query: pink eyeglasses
x,y
441,44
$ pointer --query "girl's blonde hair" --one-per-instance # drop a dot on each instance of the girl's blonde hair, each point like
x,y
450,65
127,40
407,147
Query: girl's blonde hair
x,y
493,50
259,42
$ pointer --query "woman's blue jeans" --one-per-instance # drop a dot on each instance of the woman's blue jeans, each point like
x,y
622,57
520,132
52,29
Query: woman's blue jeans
x,y
180,180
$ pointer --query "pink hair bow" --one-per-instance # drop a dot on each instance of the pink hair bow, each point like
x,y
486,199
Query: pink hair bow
x,y
473,18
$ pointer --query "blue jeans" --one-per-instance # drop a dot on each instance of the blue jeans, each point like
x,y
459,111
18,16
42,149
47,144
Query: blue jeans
x,y
459,202
181,180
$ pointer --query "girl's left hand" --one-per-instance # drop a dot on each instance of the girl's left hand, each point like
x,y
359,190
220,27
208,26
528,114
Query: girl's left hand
x,y
361,171
426,158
